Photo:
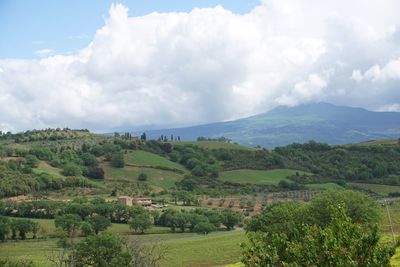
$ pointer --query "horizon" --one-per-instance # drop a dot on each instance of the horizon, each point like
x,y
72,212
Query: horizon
x,y
151,129
132,64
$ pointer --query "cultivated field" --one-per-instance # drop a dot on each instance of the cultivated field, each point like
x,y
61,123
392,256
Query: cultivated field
x,y
268,177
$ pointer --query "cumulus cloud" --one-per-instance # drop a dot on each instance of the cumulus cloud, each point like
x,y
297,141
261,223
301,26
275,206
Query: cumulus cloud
x,y
171,69
391,71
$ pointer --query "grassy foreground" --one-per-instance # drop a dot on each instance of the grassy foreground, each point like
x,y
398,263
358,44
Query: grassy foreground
x,y
184,249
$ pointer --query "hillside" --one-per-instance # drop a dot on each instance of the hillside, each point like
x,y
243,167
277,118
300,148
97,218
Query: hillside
x,y
321,122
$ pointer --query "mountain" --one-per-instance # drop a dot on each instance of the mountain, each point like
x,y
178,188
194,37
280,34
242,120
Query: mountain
x,y
321,122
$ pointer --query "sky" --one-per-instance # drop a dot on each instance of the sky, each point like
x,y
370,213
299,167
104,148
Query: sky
x,y
123,65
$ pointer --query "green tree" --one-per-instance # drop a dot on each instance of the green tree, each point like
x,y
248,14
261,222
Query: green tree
x,y
283,217
103,250
71,169
117,160
204,228
4,228
340,243
32,161
230,218
95,173
69,223
86,229
21,226
359,207
140,222
181,220
99,223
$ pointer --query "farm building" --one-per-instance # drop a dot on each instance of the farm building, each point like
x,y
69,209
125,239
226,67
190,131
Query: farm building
x,y
144,202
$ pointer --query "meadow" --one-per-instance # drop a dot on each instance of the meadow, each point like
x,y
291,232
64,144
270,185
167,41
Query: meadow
x,y
147,159
377,188
267,177
158,179
183,249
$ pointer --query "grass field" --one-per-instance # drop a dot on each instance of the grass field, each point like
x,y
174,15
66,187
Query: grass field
x,y
325,186
269,177
44,167
377,188
157,178
184,249
215,145
143,158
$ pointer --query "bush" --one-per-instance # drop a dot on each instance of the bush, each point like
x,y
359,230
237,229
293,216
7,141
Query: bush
x,y
117,160
95,173
71,169
142,177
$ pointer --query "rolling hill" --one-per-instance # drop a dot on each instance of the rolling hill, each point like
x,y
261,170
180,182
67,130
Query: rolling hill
x,y
321,122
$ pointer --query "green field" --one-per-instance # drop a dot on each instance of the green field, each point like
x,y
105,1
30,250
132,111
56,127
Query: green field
x,y
184,249
325,186
269,177
377,188
143,158
215,145
157,178
44,167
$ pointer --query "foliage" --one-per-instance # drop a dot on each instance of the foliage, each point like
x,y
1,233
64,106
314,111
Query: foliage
x,y
230,218
102,250
204,228
340,243
99,223
140,222
69,223
117,160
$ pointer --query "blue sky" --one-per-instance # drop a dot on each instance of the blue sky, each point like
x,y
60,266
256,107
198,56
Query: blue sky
x,y
28,26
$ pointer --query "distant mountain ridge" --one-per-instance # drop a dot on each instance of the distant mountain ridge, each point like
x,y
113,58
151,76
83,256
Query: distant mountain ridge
x,y
321,122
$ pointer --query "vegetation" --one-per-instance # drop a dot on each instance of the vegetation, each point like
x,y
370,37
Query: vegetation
x,y
212,188
342,223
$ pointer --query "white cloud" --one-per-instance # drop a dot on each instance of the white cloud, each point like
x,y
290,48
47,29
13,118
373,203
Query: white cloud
x,y
210,64
45,52
391,71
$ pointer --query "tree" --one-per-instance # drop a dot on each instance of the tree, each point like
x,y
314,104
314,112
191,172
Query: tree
x,y
4,228
204,228
117,160
230,218
86,229
32,161
181,221
71,169
99,223
142,177
194,219
35,227
340,243
103,250
283,217
143,137
140,222
359,207
69,223
22,227
89,159
95,173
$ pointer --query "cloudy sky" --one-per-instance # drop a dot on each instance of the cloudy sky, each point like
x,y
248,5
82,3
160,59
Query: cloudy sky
x,y
131,65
